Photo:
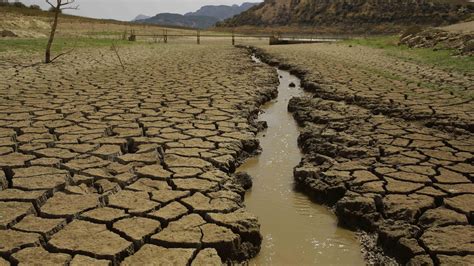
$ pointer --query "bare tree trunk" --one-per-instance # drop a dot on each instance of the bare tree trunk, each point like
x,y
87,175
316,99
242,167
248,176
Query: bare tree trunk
x,y
51,36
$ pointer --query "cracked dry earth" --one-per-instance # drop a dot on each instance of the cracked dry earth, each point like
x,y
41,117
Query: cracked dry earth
x,y
386,85
393,157
101,165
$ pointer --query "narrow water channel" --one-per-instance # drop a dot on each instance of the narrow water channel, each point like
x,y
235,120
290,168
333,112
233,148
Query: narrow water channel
x,y
296,231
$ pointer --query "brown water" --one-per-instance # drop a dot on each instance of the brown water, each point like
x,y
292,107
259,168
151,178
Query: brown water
x,y
296,231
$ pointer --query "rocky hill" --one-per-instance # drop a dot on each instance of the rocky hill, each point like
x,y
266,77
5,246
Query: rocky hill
x,y
141,17
222,11
205,17
353,15
170,19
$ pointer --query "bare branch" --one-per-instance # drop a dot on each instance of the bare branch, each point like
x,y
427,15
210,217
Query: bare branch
x,y
114,48
62,5
66,3
61,54
49,3
72,7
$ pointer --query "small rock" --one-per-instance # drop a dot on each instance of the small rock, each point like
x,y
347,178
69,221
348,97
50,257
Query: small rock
x,y
244,179
7,33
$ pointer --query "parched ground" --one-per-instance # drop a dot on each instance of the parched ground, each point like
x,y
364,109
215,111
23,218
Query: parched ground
x,y
390,144
103,165
384,84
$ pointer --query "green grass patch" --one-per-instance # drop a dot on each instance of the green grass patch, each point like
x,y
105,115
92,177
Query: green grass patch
x,y
60,44
444,58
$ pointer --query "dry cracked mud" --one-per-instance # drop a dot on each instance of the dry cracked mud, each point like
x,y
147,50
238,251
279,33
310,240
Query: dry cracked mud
x,y
391,156
383,84
101,165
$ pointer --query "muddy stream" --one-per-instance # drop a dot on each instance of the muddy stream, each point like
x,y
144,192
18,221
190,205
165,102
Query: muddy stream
x,y
295,230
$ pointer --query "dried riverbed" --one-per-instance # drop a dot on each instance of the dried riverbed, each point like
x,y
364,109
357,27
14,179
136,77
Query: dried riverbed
x,y
135,165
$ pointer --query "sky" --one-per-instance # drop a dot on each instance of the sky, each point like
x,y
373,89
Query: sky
x,y
129,9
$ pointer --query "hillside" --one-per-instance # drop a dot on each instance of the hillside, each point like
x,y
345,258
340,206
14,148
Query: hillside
x,y
141,17
170,19
222,11
205,17
27,22
353,15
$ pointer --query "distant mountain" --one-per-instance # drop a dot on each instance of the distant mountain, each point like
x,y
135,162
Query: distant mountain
x,y
205,17
141,17
222,11
170,19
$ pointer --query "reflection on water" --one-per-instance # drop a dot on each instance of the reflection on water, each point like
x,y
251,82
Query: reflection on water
x,y
296,231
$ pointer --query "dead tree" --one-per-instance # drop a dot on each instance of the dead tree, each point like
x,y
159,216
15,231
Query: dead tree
x,y
57,6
